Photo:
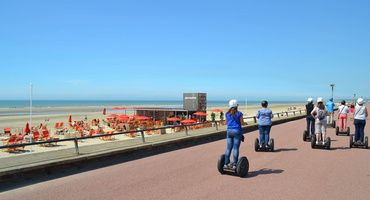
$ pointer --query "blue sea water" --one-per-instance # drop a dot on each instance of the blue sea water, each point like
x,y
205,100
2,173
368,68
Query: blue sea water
x,y
122,103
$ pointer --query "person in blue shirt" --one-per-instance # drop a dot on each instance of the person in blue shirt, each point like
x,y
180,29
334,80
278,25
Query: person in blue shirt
x,y
234,121
330,107
264,116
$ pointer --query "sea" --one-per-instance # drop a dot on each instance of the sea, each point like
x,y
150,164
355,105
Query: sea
x,y
123,103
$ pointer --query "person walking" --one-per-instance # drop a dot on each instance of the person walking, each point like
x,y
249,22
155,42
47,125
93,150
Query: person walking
x,y
330,107
343,116
319,113
264,116
360,121
234,121
309,119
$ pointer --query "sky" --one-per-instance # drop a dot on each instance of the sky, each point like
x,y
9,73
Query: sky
x,y
160,49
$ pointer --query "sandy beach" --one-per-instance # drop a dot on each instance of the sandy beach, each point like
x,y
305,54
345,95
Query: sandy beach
x,y
17,122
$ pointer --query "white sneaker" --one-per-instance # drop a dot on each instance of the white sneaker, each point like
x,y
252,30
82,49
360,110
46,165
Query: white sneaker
x,y
317,142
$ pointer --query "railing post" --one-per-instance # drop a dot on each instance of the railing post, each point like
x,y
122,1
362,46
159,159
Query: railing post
x,y
216,125
142,136
294,113
186,129
255,119
286,114
76,146
300,112
278,115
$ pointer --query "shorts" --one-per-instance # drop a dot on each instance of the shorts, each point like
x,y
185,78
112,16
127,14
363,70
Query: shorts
x,y
320,126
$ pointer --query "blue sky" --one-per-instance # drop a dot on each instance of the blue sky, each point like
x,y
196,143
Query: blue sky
x,y
160,49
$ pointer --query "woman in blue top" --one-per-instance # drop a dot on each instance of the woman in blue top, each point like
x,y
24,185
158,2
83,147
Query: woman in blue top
x,y
234,121
264,116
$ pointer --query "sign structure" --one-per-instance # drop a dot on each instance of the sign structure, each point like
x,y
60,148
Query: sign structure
x,y
195,101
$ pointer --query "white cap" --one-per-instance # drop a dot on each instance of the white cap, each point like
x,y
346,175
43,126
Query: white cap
x,y
233,103
310,99
360,101
319,100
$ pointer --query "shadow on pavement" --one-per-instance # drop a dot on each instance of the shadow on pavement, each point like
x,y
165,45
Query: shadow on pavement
x,y
263,172
282,149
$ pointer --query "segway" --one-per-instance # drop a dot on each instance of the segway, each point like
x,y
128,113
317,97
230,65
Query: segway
x,y
332,125
353,144
263,148
241,169
346,132
306,135
320,144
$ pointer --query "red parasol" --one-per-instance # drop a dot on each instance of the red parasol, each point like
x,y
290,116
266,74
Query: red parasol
x,y
200,113
122,108
112,115
70,119
27,128
115,108
142,117
104,111
217,110
188,121
173,119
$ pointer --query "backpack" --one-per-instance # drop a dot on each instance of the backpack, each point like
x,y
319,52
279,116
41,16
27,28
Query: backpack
x,y
321,114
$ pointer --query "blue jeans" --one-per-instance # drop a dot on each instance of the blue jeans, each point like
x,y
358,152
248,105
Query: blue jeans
x,y
234,137
264,134
359,129
310,124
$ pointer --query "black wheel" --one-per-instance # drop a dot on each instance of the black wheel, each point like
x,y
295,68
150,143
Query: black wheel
x,y
336,130
348,131
334,124
256,144
351,141
313,141
221,163
272,143
242,167
305,135
366,142
327,143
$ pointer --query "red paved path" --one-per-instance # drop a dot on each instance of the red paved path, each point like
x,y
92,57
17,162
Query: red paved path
x,y
294,171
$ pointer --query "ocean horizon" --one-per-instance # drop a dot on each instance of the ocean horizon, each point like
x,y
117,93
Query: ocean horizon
x,y
122,103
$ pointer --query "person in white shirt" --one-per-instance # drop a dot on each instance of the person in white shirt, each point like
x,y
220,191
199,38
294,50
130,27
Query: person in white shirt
x,y
360,121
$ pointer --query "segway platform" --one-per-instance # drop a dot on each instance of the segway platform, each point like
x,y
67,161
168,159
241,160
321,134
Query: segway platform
x,y
306,136
325,145
241,169
346,132
353,144
263,148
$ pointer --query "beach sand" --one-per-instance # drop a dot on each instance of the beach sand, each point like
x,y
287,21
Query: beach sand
x,y
17,122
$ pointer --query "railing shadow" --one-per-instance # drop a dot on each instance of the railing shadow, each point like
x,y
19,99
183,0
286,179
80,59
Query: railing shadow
x,y
284,149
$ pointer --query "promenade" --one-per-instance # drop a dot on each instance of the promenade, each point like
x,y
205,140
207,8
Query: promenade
x,y
183,171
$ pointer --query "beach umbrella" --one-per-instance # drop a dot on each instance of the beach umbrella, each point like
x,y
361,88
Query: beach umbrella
x,y
142,117
104,111
173,119
27,128
188,121
122,108
200,113
122,118
217,110
115,108
112,115
70,119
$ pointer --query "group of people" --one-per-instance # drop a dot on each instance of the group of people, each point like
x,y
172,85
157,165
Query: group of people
x,y
322,114
235,121
317,119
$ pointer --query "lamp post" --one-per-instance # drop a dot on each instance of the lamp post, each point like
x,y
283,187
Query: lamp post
x,y
332,90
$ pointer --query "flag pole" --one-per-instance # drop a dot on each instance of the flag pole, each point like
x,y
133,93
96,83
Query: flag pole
x,y
31,106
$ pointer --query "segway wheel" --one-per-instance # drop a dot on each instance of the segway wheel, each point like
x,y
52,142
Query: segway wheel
x,y
256,144
305,134
334,124
336,130
272,143
313,142
348,131
327,143
366,142
351,141
221,163
242,167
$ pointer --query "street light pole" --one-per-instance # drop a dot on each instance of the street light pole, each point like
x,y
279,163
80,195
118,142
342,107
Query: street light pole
x,y
332,90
